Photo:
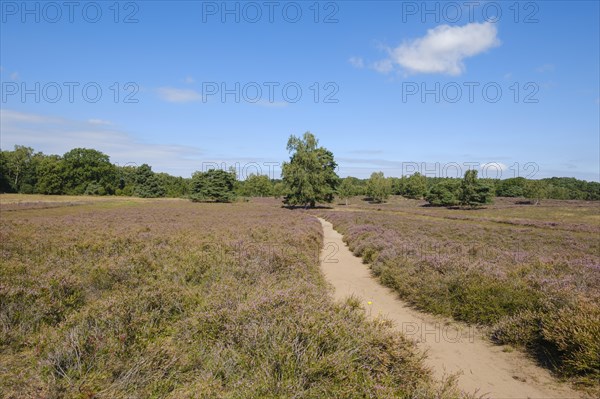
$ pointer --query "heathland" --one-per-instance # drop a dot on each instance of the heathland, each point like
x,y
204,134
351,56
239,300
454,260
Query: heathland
x,y
125,298
529,274
128,297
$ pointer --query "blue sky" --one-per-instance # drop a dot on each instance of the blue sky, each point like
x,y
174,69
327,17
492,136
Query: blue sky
x,y
511,88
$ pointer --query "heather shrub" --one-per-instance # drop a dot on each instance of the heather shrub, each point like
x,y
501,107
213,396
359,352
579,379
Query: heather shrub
x,y
525,283
174,299
575,332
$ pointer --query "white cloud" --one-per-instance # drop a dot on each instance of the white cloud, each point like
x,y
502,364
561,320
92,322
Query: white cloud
x,y
189,80
443,49
174,95
14,76
55,135
356,62
383,66
545,68
99,122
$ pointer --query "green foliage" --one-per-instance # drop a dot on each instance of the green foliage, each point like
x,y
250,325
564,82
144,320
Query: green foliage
x,y
575,189
17,167
536,190
256,186
415,186
147,184
444,193
84,166
50,175
174,186
513,187
214,184
348,188
378,187
279,190
310,175
472,192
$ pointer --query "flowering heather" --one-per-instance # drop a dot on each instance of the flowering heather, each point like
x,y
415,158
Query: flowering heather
x,y
167,298
535,283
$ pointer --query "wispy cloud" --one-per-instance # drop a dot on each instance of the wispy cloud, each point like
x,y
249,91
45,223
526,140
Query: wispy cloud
x,y
99,122
174,95
357,62
189,80
383,66
442,50
545,68
56,135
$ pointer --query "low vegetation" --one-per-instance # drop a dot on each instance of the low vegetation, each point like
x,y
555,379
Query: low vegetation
x,y
530,274
174,299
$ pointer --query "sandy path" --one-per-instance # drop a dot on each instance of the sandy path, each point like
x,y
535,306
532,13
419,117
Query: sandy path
x,y
452,348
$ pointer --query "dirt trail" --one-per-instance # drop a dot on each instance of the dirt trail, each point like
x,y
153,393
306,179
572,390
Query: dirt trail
x,y
451,348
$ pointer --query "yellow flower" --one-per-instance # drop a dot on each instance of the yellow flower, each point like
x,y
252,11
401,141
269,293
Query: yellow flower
x,y
369,303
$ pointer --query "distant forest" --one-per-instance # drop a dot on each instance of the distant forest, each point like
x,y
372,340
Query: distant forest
x,y
84,171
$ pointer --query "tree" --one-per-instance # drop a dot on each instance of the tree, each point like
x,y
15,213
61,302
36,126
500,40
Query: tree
x,y
378,187
257,186
174,186
444,193
126,179
17,166
415,186
5,185
214,184
536,190
50,175
348,188
472,192
279,190
512,187
147,184
84,166
310,175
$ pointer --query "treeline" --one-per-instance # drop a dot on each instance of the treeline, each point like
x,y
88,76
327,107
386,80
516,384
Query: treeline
x,y
87,171
83,171
447,191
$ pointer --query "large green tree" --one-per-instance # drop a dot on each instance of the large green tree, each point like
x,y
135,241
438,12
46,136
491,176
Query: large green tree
x,y
147,183
310,175
415,186
444,193
378,187
215,184
472,192
50,175
348,188
83,166
17,166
